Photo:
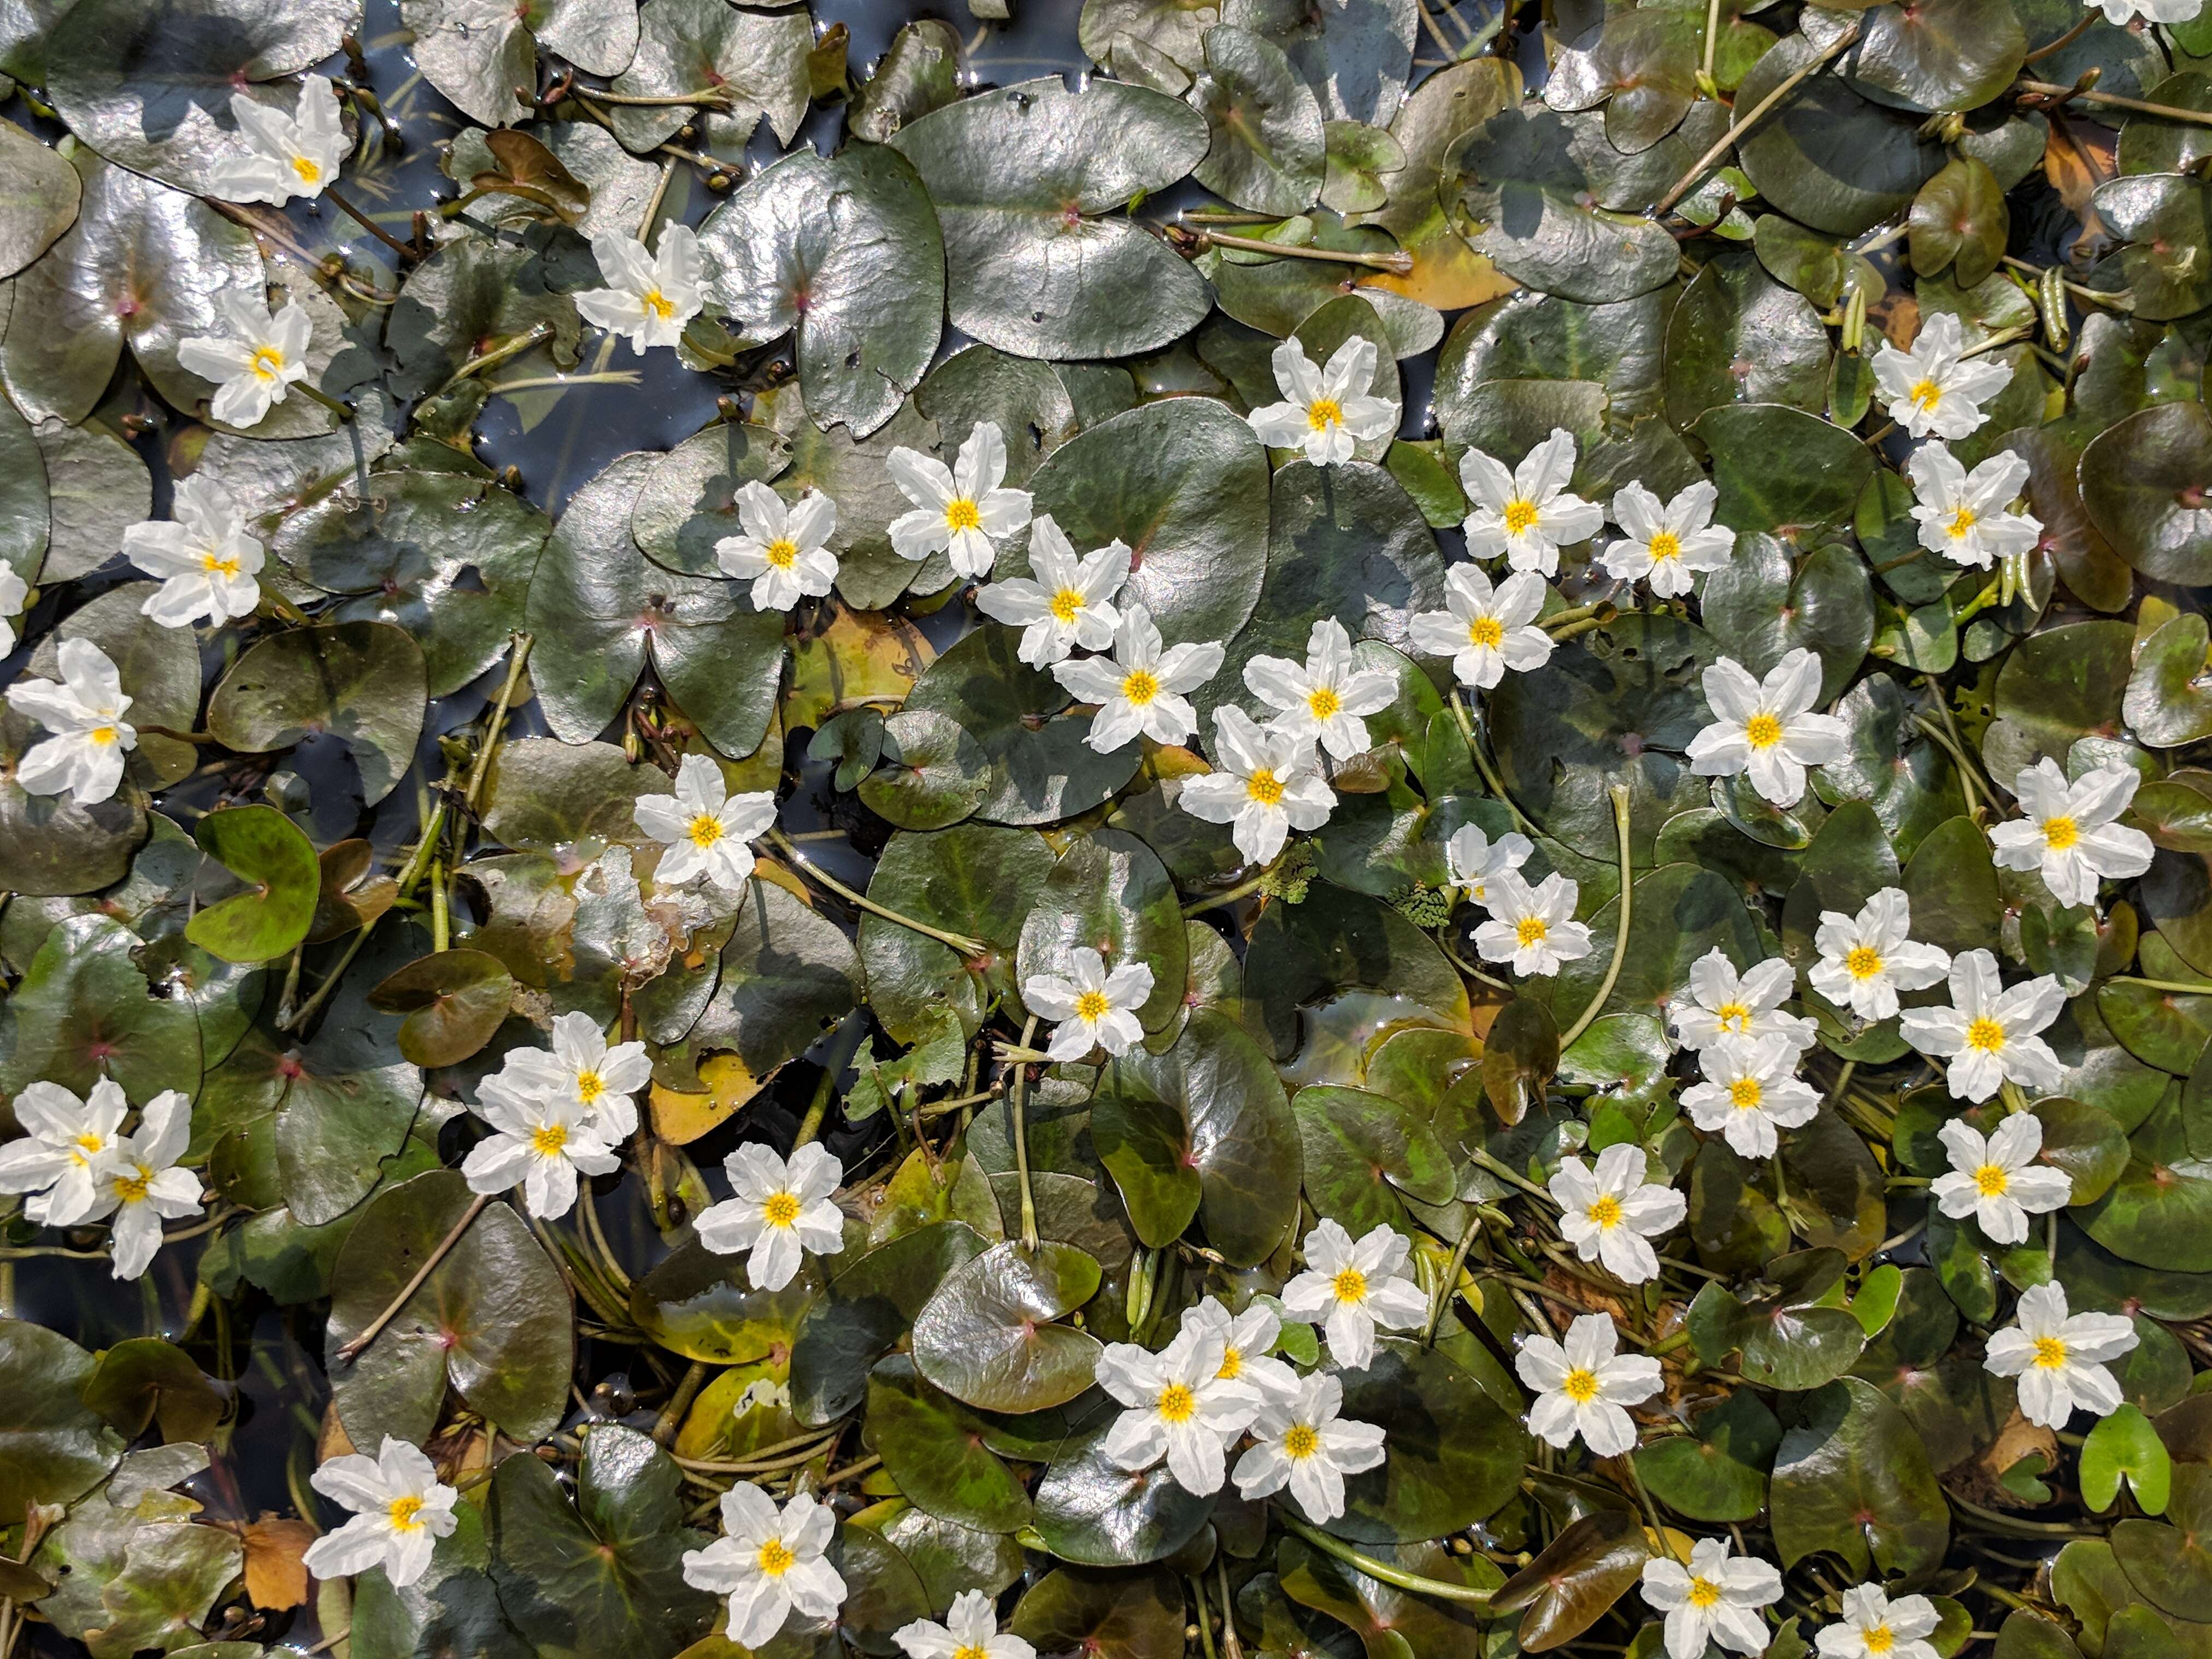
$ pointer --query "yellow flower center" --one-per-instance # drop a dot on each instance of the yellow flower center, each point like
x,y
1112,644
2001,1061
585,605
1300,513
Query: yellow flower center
x,y
1604,1213
1986,1035
131,1189
1264,786
1232,1364
1349,1286
705,829
1926,394
1323,413
1178,1403
1581,1386
216,564
1762,731
406,1514
548,1139
1733,1017
1531,930
1864,962
590,1086
657,303
1961,521
1745,1093
308,172
1666,545
775,1558
971,1651
1139,688
91,1145
2049,1352
1092,1005
962,513
1487,632
268,362
1323,702
781,1209
1065,603
2061,833
1301,1441
782,553
1520,517
1991,1180
105,735
1703,1593
1881,1639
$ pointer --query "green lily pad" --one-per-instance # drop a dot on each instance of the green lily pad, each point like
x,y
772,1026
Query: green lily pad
x,y
1827,157
1267,148
868,1308
265,850
706,1307
477,59
1852,1478
2143,481
1110,893
1455,1454
1575,1578
1091,1511
986,1336
1718,1471
454,1001
1939,55
932,1446
754,62
1736,336
974,879
84,1011
1361,1151
55,1448
1071,1611
363,682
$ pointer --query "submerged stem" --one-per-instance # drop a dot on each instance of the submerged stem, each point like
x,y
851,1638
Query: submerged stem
x,y
1620,938
352,1351
1383,1571
813,871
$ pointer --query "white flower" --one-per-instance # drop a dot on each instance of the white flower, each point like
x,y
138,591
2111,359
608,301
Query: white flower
x,y
1328,408
1928,389
206,562
1533,927
83,710
781,551
1355,1286
704,827
1996,1179
401,1508
541,1138
1526,513
2069,831
1988,1033
1608,1216
1875,1628
1485,630
1962,514
1180,1408
2058,1358
1265,784
2119,12
963,509
297,154
1305,1443
781,1212
1750,1089
1767,727
254,362
1140,693
1095,1008
14,590
1247,1342
1326,700
1476,861
62,1160
1717,1598
1867,959
140,1184
1670,545
970,1631
582,1067
1584,1386
648,297
1067,604
768,1561
1726,1006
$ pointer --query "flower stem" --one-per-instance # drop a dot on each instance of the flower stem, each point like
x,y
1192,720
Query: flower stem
x,y
1445,1290
2089,95
1018,1099
1383,1571
370,225
2175,986
959,942
519,644
1482,764
1398,262
817,1110
514,346
1683,186
1620,938
1243,888
352,1351
711,97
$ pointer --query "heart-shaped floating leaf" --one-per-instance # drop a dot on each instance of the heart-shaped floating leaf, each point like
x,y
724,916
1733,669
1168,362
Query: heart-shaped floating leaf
x,y
41,192
83,1010
1718,1471
868,1309
1575,1578
987,1335
476,58
143,1379
1132,1617
1268,148
973,879
360,681
453,1000
1110,893
54,1447
1455,1454
753,64
265,850
1827,157
1853,1477
1093,1511
933,1447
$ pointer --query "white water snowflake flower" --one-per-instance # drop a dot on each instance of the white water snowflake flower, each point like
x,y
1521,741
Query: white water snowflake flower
x,y
1610,1215
2119,13
288,155
768,1562
254,362
541,1138
1095,1008
1067,602
1328,408
1140,691
1767,727
1476,862
781,1212
2059,1359
1527,514
580,1065
1867,959
1875,1628
960,509
1929,390
141,1186
2069,833
1352,1286
401,1508
705,827
1324,700
1749,1091
1667,545
1996,1179
1726,1006
204,558
1485,630
1179,1408
1305,1442
1962,515
83,712
648,297
1584,1386
14,590
1266,783
1533,929
68,1145
1988,1034
781,551
970,1631
1715,1598
1247,1342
